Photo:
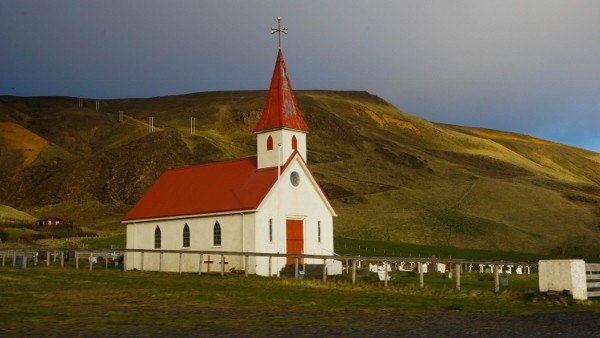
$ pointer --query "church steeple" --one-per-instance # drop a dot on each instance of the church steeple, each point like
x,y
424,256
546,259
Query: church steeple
x,y
281,129
281,109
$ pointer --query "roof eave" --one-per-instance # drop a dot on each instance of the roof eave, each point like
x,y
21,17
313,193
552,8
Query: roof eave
x,y
167,218
278,128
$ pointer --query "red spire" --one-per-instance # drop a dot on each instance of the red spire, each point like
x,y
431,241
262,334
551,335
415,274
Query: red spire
x,y
281,110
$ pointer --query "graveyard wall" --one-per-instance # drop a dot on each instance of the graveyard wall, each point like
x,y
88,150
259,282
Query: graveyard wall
x,y
563,274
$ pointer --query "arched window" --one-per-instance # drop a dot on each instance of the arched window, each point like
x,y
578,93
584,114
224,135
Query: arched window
x,y
186,236
270,143
217,234
294,143
157,238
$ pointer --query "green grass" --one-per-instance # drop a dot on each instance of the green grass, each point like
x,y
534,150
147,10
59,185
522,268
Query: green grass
x,y
9,214
117,241
348,246
96,300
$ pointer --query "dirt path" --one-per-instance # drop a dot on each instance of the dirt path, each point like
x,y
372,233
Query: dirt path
x,y
290,323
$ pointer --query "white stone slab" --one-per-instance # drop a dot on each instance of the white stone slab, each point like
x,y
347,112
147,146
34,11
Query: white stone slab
x,y
563,274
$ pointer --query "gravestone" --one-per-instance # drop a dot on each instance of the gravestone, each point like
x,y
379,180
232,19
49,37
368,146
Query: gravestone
x,y
441,267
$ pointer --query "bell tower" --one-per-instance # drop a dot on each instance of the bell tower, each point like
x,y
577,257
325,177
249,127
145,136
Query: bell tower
x,y
281,127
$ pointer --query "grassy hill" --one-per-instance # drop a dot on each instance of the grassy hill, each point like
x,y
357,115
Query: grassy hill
x,y
391,176
8,214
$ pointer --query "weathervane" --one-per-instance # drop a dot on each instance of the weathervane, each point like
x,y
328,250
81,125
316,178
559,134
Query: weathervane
x,y
279,30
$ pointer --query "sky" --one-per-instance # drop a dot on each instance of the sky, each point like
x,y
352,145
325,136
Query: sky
x,y
531,67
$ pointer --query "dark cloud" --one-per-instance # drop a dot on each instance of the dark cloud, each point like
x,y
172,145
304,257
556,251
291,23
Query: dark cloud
x,y
525,66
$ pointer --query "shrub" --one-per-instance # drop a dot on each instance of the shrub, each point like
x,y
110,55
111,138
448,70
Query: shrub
x,y
3,236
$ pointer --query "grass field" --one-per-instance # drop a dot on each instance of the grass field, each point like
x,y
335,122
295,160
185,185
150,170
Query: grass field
x,y
8,215
54,298
348,246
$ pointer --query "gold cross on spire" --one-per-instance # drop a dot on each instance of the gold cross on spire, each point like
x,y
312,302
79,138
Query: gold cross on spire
x,y
279,30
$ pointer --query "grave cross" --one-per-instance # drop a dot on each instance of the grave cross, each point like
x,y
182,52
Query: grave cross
x,y
279,30
208,262
224,262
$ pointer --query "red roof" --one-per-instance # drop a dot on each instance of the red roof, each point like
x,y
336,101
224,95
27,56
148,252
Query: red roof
x,y
202,189
281,109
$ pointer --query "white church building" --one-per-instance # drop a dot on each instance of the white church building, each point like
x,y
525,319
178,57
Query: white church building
x,y
239,205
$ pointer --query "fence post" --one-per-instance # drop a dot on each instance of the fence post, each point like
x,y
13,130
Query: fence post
x,y
14,258
324,269
385,274
421,282
296,268
91,260
270,275
106,261
62,259
222,265
142,262
496,279
35,259
160,263
180,262
47,258
76,260
246,265
353,271
458,268
4,257
200,265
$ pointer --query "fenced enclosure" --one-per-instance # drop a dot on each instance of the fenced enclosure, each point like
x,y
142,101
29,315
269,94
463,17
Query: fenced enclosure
x,y
593,279
354,269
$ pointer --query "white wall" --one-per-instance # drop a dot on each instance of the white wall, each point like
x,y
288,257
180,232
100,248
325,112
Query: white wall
x,y
301,202
141,236
268,158
563,274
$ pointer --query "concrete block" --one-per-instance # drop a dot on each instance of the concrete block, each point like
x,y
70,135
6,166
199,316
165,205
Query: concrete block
x,y
563,274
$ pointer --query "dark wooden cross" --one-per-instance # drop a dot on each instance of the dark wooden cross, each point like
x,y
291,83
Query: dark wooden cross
x,y
224,262
279,30
208,262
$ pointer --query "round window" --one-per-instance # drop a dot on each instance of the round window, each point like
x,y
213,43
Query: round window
x,y
295,178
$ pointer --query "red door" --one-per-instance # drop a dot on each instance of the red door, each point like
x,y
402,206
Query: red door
x,y
295,238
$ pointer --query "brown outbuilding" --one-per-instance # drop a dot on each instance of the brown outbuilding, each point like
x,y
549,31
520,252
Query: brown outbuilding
x,y
49,221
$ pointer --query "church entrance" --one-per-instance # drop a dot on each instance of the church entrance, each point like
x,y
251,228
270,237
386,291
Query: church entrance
x,y
295,238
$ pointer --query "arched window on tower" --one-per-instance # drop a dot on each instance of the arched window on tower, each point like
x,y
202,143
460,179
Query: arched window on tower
x,y
294,143
270,143
217,234
186,236
157,238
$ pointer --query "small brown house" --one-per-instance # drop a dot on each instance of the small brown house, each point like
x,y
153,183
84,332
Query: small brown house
x,y
49,221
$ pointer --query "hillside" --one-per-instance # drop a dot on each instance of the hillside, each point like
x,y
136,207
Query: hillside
x,y
390,175
12,215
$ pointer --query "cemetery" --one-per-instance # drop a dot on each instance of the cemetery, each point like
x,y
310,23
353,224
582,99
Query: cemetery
x,y
575,277
231,300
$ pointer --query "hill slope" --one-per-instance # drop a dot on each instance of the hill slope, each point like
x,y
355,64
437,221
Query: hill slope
x,y
390,175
